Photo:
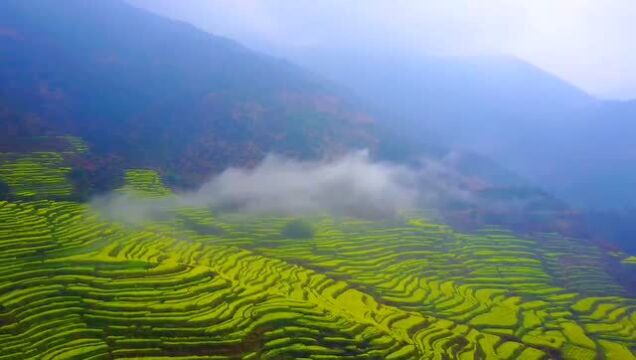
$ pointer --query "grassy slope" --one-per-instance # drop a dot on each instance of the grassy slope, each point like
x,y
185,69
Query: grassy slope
x,y
74,285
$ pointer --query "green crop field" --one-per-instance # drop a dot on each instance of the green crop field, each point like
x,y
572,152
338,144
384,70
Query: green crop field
x,y
201,285
35,175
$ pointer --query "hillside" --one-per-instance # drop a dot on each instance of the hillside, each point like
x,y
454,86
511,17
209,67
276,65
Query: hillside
x,y
204,285
115,127
143,90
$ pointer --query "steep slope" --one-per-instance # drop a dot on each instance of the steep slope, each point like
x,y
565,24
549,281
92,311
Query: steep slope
x,y
145,90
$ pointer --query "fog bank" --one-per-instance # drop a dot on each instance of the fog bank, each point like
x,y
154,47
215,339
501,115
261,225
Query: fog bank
x,y
352,185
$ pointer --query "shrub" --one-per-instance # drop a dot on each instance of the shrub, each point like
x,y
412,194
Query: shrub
x,y
298,229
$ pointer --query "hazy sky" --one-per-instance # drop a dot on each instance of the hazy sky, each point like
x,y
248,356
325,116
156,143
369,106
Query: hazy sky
x,y
591,43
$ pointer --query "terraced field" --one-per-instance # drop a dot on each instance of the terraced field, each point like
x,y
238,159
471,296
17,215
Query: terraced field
x,y
36,175
199,285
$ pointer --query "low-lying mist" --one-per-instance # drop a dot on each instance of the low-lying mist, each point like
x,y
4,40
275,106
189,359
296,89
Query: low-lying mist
x,y
352,185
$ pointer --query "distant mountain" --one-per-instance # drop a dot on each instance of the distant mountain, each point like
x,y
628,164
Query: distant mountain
x,y
543,128
464,99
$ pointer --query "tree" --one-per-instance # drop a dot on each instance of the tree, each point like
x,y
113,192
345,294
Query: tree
x,y
298,229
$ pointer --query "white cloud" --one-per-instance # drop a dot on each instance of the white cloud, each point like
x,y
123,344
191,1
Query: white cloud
x,y
352,185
